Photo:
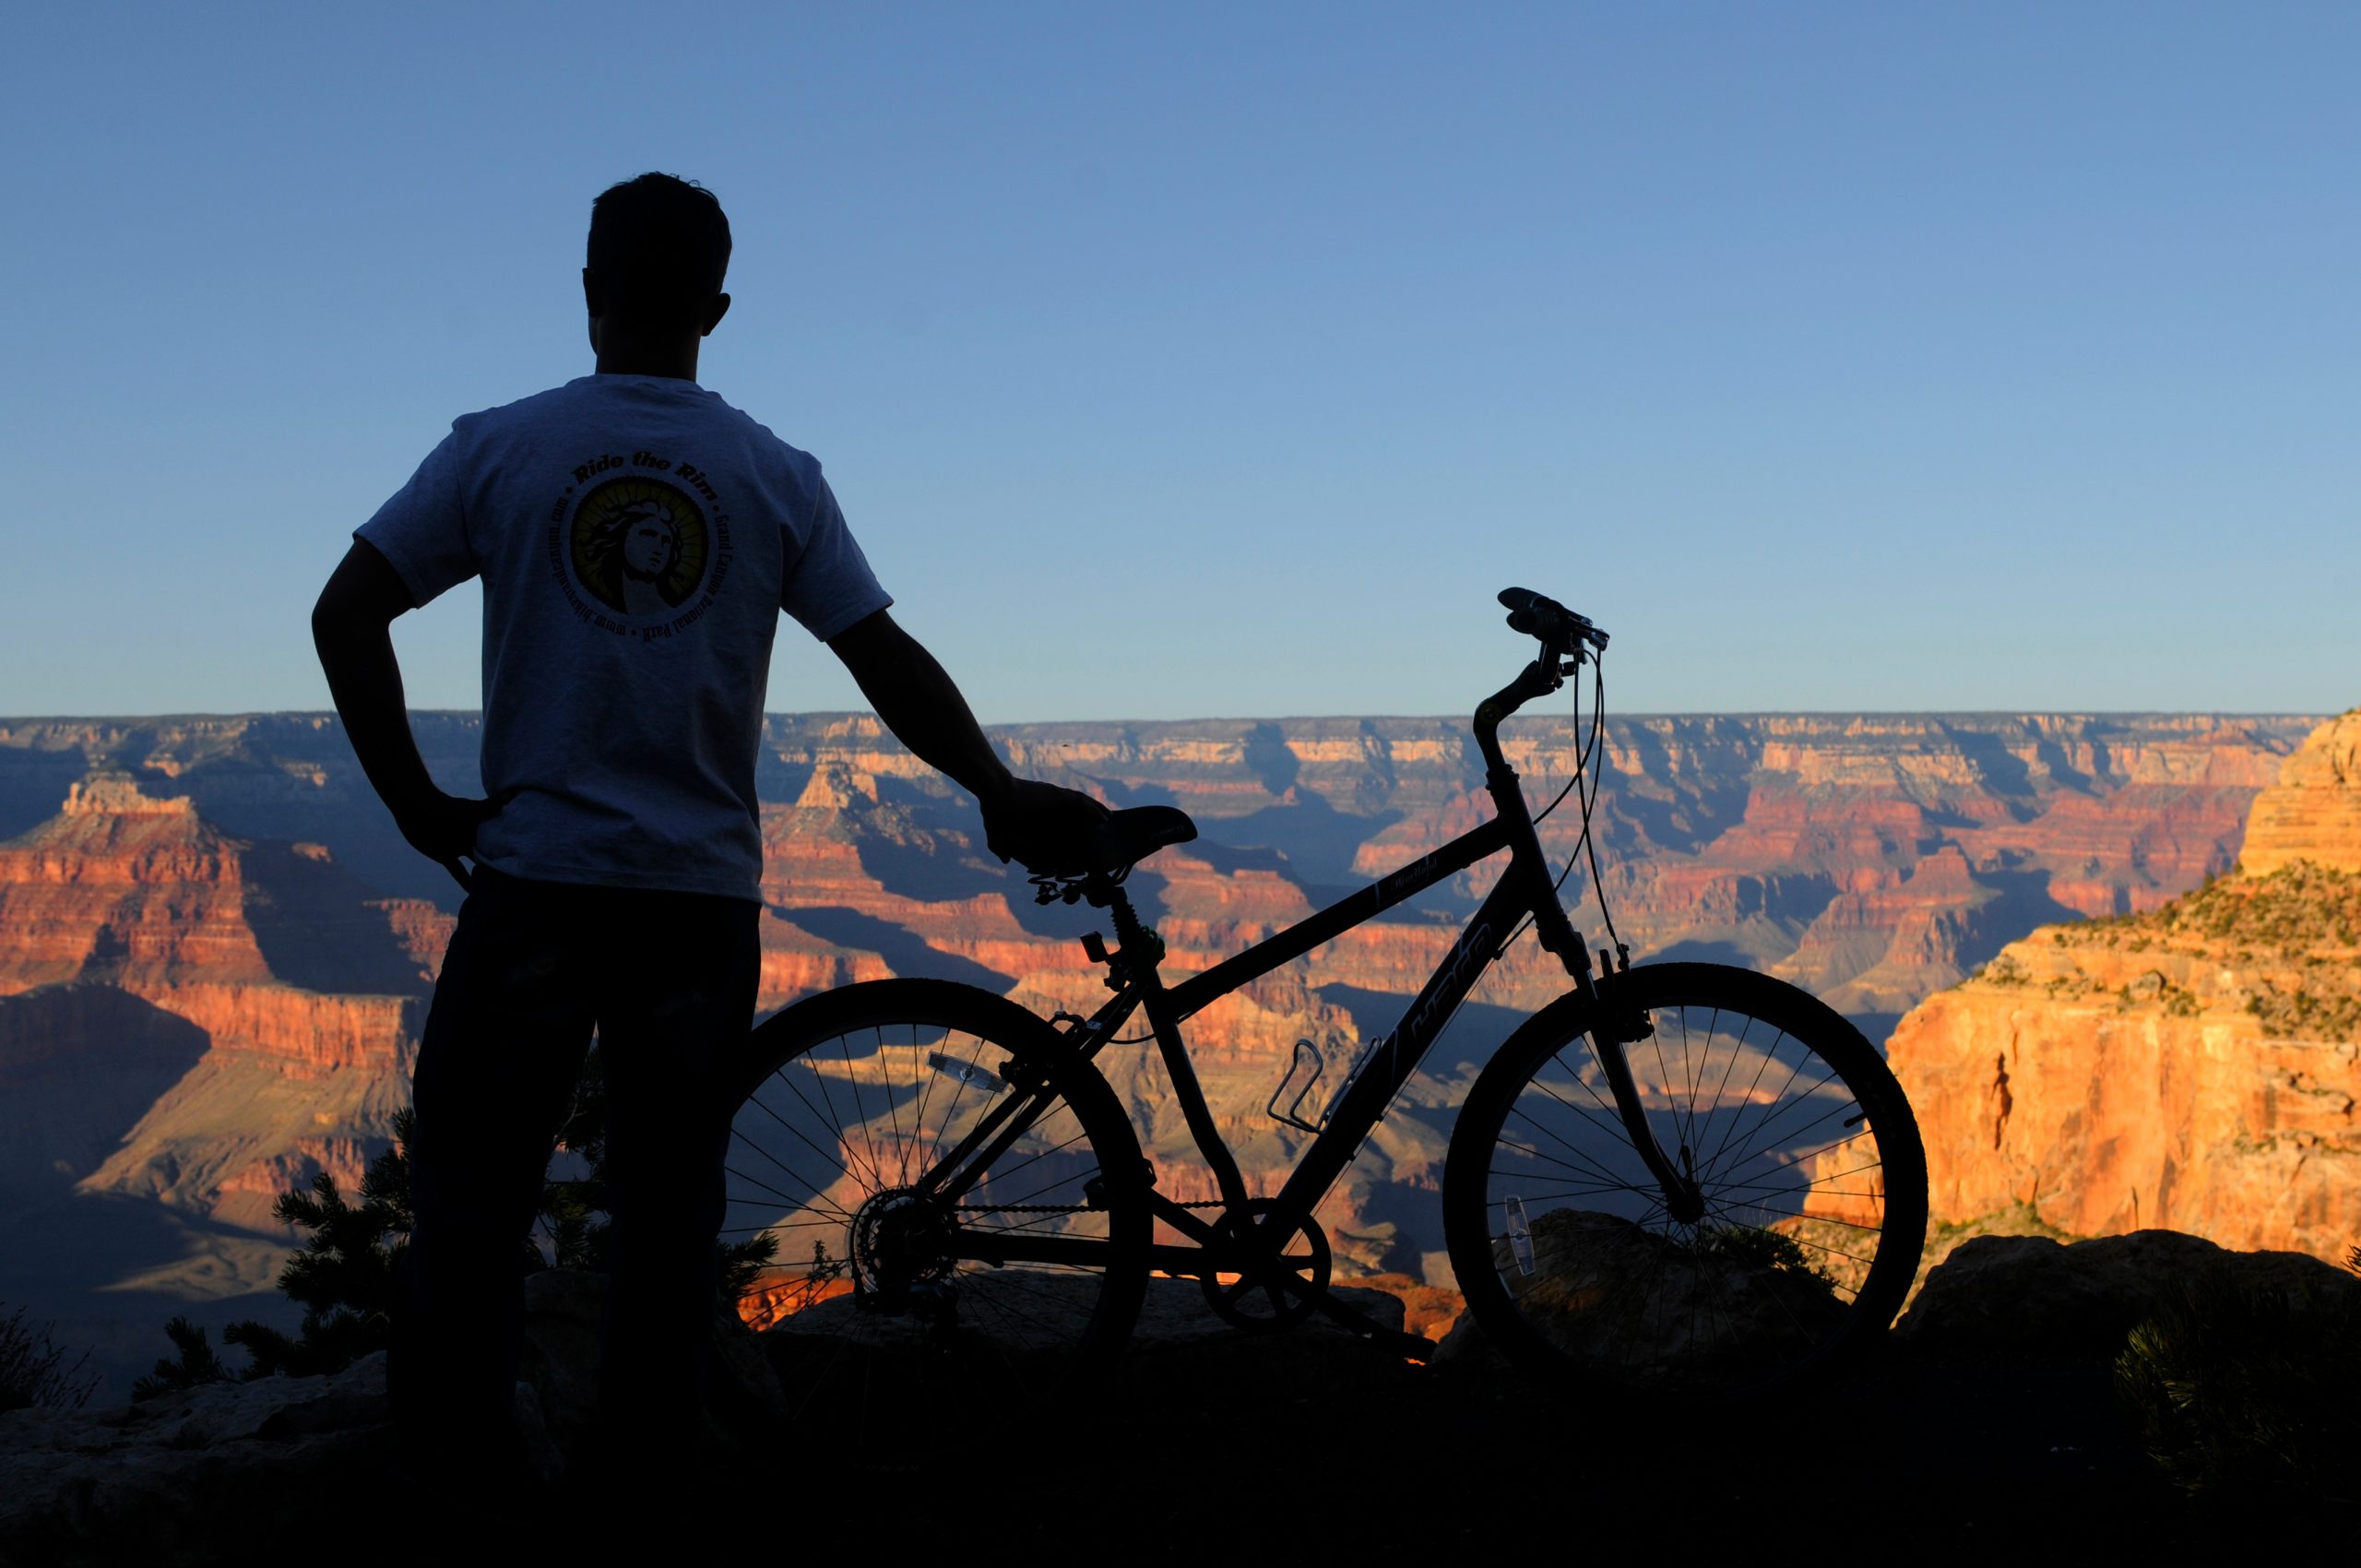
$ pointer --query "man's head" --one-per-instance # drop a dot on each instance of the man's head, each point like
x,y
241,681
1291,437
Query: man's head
x,y
660,249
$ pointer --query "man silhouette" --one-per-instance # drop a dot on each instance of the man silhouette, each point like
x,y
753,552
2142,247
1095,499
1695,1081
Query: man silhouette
x,y
637,537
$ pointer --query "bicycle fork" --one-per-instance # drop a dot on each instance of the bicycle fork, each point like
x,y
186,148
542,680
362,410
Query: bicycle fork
x,y
1612,1028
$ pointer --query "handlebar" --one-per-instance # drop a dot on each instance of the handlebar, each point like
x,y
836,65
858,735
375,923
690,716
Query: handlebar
x,y
1564,635
1560,629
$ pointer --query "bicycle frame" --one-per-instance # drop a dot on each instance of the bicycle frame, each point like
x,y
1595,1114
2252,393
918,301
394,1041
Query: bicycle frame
x,y
1384,1066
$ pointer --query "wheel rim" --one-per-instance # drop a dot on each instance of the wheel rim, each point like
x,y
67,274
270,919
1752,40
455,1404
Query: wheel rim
x,y
1791,1138
879,1290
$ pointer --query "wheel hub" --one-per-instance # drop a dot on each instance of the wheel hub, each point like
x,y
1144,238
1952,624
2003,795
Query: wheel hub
x,y
900,1252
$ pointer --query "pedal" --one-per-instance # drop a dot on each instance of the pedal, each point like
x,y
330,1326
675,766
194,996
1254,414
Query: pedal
x,y
1520,1234
1292,1116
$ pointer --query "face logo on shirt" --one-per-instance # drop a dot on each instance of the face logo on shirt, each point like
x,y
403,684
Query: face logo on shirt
x,y
640,547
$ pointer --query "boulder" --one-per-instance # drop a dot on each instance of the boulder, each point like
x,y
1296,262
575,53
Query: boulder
x,y
2032,1296
182,1474
231,1462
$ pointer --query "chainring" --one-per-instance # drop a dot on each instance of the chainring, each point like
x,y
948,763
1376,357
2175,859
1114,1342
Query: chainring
x,y
1258,1307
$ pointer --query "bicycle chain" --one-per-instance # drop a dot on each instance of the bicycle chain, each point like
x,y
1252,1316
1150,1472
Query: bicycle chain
x,y
1064,1208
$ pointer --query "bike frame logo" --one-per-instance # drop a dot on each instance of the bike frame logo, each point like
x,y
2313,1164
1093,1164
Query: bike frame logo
x,y
1442,998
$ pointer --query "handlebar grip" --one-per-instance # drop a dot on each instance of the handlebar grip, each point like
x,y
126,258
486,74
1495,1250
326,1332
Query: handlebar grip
x,y
1525,610
1536,615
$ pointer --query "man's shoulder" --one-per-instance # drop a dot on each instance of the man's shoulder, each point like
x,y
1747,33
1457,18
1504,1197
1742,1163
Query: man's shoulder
x,y
763,434
526,410
772,451
590,399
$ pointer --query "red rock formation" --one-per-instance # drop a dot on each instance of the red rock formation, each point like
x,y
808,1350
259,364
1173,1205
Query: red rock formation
x,y
247,1194
2314,812
422,930
119,887
142,897
2192,1068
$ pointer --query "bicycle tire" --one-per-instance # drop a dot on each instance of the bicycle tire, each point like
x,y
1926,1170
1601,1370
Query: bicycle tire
x,y
1802,1142
879,1299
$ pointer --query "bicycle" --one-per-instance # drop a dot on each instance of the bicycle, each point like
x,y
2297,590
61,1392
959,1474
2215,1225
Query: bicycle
x,y
1676,1181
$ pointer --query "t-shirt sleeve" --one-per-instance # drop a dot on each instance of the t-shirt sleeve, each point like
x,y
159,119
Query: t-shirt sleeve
x,y
422,531
828,585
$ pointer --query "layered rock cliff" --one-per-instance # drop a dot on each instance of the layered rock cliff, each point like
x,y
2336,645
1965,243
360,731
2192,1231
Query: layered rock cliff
x,y
2195,1067
136,936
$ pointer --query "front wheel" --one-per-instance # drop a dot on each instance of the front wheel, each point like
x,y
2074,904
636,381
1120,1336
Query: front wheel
x,y
953,1203
1791,1232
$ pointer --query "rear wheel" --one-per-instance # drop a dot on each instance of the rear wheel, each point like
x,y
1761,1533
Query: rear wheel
x,y
1796,1241
907,1266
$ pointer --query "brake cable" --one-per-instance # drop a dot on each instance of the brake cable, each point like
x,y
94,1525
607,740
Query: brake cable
x,y
1586,755
1589,799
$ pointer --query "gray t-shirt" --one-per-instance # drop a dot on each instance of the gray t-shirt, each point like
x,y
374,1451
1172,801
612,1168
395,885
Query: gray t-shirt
x,y
637,537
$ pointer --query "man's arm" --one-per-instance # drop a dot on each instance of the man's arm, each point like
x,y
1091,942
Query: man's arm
x,y
1032,822
350,627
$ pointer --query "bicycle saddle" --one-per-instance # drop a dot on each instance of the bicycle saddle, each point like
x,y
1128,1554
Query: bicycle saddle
x,y
1124,839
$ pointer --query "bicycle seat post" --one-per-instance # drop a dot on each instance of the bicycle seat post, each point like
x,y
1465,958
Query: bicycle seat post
x,y
1135,963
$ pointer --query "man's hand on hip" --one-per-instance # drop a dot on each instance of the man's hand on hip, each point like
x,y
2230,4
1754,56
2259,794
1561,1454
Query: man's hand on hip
x,y
442,828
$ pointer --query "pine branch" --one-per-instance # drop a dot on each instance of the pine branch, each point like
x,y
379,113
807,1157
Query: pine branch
x,y
197,1363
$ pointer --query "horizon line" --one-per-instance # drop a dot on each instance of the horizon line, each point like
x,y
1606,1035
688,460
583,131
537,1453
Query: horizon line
x,y
329,715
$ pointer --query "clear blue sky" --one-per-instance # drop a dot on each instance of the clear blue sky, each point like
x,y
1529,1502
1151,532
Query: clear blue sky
x,y
1200,360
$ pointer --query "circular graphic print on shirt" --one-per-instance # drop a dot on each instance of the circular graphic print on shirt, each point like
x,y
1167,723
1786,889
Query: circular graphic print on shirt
x,y
640,547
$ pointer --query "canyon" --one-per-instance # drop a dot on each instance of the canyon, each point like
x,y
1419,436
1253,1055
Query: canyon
x,y
2192,1067
215,950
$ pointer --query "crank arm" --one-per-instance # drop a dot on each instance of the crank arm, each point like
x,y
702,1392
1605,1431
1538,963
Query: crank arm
x,y
1214,1250
1362,1326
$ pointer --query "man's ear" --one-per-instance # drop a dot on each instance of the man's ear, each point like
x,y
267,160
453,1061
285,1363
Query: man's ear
x,y
714,312
594,298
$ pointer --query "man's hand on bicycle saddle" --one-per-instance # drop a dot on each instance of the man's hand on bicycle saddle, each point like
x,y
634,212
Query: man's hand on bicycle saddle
x,y
1045,827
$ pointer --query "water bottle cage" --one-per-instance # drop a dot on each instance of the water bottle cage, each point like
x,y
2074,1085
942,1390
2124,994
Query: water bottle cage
x,y
1293,1115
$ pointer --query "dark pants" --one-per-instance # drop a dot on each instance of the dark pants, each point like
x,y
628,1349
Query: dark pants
x,y
668,982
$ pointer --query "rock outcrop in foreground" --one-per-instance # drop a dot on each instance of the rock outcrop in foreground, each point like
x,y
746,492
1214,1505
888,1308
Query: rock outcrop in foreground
x,y
2196,1067
1996,1396
2030,1295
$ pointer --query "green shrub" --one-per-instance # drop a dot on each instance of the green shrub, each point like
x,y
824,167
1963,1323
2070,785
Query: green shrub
x,y
2243,1396
35,1372
344,1275
193,1362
